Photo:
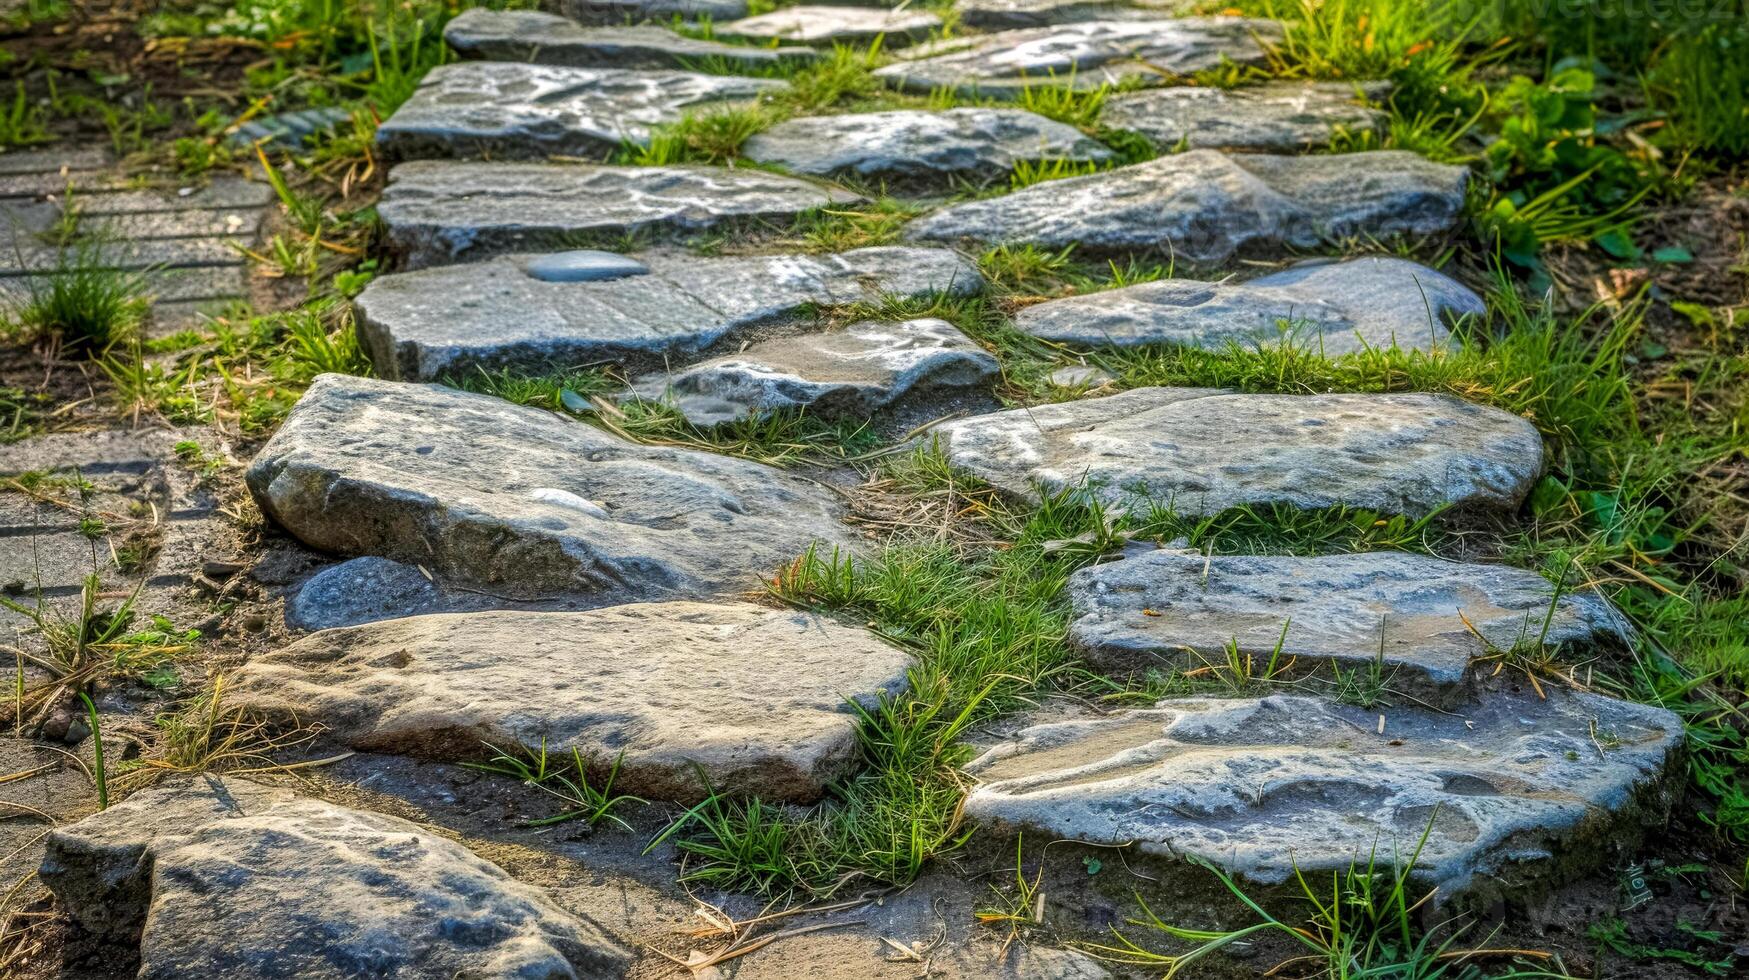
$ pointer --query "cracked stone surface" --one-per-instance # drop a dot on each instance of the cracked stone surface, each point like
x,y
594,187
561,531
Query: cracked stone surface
x,y
235,879
754,696
1202,206
1082,56
994,15
1180,609
1509,789
828,25
851,373
1206,450
527,35
1280,117
629,11
521,503
507,109
439,211
1334,307
432,323
914,144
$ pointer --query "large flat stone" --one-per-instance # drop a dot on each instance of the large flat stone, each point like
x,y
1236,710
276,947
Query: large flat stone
x,y
756,698
508,109
438,211
629,11
828,25
1509,790
920,145
522,503
1083,56
994,15
527,35
442,322
1334,307
1204,450
853,373
1417,617
1202,206
1280,117
233,880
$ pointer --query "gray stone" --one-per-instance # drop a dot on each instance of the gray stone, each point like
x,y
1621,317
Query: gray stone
x,y
508,109
914,144
1280,117
1081,376
1202,206
995,15
851,373
629,11
584,265
233,880
1082,56
1204,450
440,211
827,25
1334,307
526,35
1513,788
521,503
445,322
1417,617
753,696
364,590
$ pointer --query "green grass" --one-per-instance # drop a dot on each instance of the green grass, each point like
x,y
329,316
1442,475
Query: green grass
x,y
84,303
710,137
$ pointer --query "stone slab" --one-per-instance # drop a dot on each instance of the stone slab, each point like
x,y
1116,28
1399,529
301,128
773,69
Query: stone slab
x,y
1279,117
999,15
829,25
633,11
527,35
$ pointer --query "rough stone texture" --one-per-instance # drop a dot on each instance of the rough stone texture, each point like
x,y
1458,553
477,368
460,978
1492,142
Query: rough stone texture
x,y
1205,450
913,144
625,11
834,25
1334,307
526,35
508,109
1281,117
993,15
233,879
1082,56
439,211
1259,786
520,502
1202,205
755,697
438,322
1179,609
365,590
851,373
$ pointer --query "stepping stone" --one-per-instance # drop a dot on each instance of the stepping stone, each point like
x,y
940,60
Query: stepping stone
x,y
1081,56
507,109
628,11
753,696
825,25
526,35
853,373
1280,117
233,880
1180,610
438,211
1333,307
919,145
503,313
1204,450
997,15
523,504
1511,789
1202,206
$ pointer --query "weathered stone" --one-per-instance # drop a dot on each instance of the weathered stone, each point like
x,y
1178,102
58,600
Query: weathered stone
x,y
439,211
995,15
913,144
754,697
851,373
834,25
1081,376
1204,450
522,503
508,109
1511,789
1417,618
1281,117
630,11
441,322
1202,205
1082,56
364,590
1334,307
526,35
233,880
583,265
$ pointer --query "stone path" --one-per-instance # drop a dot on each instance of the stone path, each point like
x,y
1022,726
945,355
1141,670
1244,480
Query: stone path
x,y
525,35
1282,117
829,25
